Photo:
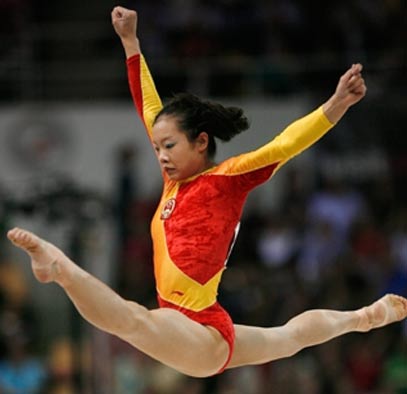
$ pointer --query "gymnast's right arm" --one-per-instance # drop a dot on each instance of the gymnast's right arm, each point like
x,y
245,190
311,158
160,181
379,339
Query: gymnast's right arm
x,y
143,91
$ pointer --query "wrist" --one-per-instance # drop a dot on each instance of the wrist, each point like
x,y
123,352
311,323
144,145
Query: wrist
x,y
335,107
131,45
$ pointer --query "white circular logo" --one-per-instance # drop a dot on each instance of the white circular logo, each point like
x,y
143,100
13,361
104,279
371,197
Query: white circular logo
x,y
168,209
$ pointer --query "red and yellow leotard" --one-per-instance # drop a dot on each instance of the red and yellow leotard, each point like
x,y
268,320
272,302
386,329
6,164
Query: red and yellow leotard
x,y
197,219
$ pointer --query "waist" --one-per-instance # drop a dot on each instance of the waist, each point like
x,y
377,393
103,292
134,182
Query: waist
x,y
178,288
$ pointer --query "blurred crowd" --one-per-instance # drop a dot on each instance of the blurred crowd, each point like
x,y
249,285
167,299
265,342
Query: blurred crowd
x,y
343,31
272,47
222,48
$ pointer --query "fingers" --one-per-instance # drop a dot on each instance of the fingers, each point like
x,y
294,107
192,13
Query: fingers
x,y
124,22
355,82
351,87
353,79
117,13
353,72
121,12
358,87
118,10
357,68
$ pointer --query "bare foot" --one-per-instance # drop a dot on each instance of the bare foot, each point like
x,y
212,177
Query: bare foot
x,y
46,259
388,309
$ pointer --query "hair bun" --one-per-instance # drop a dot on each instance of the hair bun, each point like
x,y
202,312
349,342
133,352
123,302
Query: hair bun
x,y
196,115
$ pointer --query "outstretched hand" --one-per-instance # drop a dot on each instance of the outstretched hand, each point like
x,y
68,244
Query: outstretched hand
x,y
351,87
350,90
124,22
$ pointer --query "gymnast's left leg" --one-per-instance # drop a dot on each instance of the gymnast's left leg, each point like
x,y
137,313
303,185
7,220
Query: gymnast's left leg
x,y
256,345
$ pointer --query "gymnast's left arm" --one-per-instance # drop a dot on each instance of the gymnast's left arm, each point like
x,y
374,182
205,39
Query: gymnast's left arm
x,y
304,132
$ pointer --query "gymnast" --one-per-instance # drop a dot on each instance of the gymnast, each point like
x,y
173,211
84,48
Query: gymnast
x,y
194,229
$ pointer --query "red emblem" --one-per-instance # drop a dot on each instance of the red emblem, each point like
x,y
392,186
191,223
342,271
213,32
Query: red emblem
x,y
168,209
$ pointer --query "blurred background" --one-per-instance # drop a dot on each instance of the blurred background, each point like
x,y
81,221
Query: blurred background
x,y
328,231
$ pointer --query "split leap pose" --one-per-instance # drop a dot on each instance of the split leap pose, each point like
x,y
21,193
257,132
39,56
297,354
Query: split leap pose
x,y
194,229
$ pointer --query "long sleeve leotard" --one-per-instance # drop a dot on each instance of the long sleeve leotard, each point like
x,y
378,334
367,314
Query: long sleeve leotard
x,y
197,219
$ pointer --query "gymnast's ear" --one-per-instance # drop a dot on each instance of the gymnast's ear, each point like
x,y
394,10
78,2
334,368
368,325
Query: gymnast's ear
x,y
202,141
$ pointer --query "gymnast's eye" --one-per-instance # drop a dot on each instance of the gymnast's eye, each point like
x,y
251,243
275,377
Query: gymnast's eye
x,y
169,145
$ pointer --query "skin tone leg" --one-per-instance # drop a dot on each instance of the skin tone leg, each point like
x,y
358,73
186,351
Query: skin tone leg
x,y
164,334
173,339
255,345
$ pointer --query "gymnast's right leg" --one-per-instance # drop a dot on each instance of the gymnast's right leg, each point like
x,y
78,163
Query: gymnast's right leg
x,y
164,334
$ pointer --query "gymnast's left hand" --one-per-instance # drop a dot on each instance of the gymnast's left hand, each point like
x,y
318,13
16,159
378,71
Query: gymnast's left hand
x,y
351,87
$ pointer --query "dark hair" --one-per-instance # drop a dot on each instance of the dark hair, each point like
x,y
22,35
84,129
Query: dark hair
x,y
195,115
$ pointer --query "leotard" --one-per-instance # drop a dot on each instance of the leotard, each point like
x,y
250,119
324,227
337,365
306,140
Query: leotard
x,y
197,219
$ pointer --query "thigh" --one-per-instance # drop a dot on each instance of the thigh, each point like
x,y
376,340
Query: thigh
x,y
258,345
174,339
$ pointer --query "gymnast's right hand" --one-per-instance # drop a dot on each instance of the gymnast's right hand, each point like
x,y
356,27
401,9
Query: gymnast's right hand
x,y
124,22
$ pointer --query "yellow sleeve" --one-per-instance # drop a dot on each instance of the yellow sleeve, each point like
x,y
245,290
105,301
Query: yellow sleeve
x,y
294,139
143,90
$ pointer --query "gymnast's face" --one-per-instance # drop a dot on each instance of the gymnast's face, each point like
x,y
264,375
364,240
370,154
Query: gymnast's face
x,y
179,157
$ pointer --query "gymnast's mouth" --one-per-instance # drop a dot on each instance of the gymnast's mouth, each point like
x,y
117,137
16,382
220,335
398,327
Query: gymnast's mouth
x,y
169,170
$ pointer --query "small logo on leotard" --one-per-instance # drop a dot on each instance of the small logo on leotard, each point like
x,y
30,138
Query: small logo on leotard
x,y
168,209
178,293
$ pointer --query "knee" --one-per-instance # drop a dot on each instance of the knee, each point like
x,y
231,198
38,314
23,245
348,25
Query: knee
x,y
295,340
133,320
202,370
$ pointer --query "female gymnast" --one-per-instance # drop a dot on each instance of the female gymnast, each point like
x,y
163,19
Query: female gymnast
x,y
194,229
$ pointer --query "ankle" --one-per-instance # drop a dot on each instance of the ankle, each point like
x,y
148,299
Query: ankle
x,y
68,273
363,321
63,273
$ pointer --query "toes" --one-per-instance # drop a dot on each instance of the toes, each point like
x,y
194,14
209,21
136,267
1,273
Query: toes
x,y
23,239
16,235
396,306
12,234
400,304
43,255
